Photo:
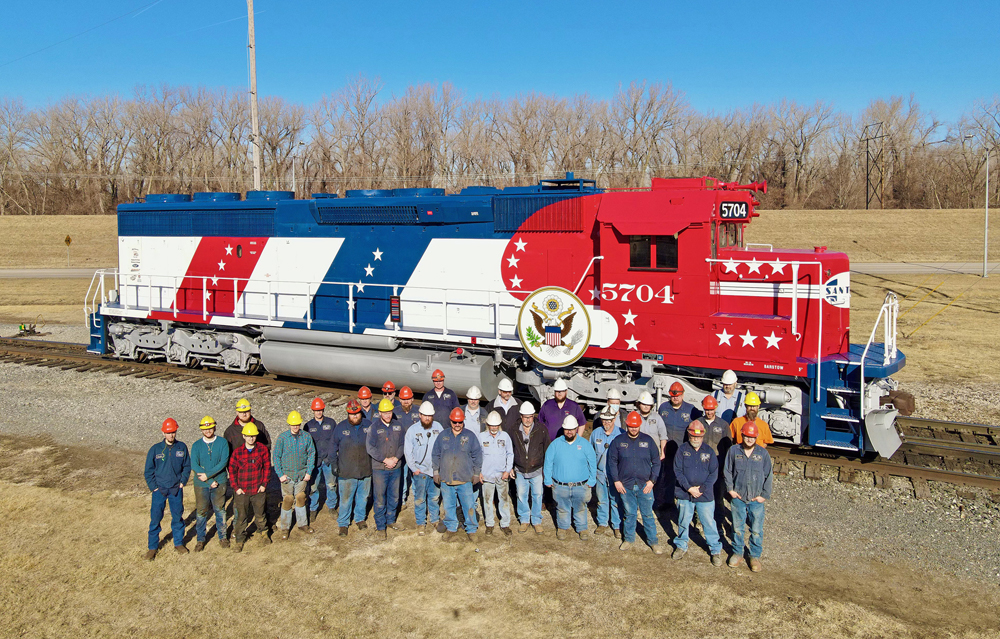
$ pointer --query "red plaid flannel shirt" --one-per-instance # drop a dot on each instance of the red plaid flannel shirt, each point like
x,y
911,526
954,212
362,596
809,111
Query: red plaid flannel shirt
x,y
249,469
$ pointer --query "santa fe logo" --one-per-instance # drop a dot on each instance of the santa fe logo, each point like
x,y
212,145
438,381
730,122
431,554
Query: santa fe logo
x,y
554,326
837,290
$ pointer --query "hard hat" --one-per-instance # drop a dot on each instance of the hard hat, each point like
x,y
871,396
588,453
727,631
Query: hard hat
x,y
243,405
645,398
749,430
426,408
494,419
353,407
318,404
386,405
570,423
206,423
527,408
676,389
505,385
696,429
388,387
608,413
437,375
614,394
709,403
729,377
169,425
634,420
560,385
364,393
405,393
250,429
753,399
457,415
294,419
474,393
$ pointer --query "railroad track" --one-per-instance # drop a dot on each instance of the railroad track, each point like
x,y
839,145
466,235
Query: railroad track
x,y
933,450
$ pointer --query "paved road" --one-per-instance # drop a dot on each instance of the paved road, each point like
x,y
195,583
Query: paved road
x,y
47,273
901,268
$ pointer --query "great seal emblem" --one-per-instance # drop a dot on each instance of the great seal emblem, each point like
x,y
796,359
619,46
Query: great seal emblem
x,y
554,326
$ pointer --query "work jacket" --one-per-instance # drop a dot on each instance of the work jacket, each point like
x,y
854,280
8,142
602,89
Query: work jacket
x,y
383,441
249,468
210,459
695,468
294,455
442,404
750,476
457,459
531,456
322,434
234,434
633,461
349,452
498,455
167,466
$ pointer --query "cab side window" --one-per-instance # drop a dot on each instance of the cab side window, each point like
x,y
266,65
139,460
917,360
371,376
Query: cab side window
x,y
653,252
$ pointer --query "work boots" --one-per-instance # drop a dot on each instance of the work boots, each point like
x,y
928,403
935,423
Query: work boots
x,y
735,561
307,529
584,535
601,530
755,565
678,553
538,528
489,531
343,531
381,535
198,547
560,534
656,549
716,560
626,545
224,543
150,554
523,528
181,550
506,532
473,537
421,530
362,525
238,546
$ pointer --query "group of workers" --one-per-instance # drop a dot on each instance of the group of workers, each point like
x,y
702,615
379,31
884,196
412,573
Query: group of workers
x,y
453,457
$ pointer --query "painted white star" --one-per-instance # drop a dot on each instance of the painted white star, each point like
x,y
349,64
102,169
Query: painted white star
x,y
378,254
350,304
222,266
754,266
516,282
208,295
777,266
369,270
520,244
512,261
630,317
748,339
772,340
731,266
229,250
595,295
633,344
724,338
361,287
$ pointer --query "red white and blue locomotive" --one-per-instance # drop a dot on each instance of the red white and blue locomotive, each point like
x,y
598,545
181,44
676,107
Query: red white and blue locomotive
x,y
632,290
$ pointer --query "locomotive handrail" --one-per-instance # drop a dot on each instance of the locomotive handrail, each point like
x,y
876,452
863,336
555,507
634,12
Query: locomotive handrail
x,y
890,308
585,271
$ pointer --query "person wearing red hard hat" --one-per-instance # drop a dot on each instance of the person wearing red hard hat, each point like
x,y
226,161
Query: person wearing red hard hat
x,y
696,469
443,399
321,428
749,474
385,442
633,467
389,392
752,403
353,467
168,467
717,437
365,401
457,462
677,415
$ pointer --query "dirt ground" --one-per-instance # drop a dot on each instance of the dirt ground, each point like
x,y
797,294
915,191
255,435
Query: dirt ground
x,y
75,519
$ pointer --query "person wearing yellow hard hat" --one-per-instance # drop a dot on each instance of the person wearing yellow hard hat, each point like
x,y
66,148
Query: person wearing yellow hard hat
x,y
294,463
209,457
752,403
249,470
234,433
385,443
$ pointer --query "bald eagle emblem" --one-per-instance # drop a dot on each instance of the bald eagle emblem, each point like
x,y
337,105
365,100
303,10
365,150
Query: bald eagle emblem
x,y
554,326
552,321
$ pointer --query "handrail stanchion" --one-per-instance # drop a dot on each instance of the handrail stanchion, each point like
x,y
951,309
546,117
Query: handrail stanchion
x,y
236,297
350,308
445,331
795,301
269,300
149,295
309,320
176,291
204,298
819,337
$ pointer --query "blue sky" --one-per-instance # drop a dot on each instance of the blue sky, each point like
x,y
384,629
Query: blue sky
x,y
720,54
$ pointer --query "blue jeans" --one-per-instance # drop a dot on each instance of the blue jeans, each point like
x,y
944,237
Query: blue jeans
x,y
607,500
353,492
751,512
425,499
570,500
523,485
405,484
324,475
452,495
635,501
161,497
385,486
206,501
706,515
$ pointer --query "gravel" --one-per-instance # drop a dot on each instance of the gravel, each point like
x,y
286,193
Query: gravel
x,y
72,333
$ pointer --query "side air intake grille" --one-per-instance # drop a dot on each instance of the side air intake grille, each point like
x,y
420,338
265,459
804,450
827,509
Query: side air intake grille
x,y
195,223
537,213
368,215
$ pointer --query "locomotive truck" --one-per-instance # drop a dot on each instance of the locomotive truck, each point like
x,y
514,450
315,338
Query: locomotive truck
x,y
630,289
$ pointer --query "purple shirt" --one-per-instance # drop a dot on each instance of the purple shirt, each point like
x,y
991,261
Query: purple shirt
x,y
551,416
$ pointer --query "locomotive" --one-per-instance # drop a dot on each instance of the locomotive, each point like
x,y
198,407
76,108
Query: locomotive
x,y
632,290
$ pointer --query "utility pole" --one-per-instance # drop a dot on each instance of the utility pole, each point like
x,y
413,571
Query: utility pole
x,y
986,229
254,120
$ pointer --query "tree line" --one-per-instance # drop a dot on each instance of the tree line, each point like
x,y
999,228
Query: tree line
x,y
84,155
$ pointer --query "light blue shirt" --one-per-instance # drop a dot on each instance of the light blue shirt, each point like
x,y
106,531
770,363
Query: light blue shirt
x,y
498,455
601,442
417,446
570,462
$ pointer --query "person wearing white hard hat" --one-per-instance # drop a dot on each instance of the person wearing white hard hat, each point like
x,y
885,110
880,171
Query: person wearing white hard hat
x,y
607,500
417,447
475,415
555,410
730,401
507,406
652,423
614,400
570,467
530,442
498,462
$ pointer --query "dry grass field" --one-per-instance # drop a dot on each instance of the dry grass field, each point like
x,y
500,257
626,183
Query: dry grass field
x,y
42,300
37,241
74,524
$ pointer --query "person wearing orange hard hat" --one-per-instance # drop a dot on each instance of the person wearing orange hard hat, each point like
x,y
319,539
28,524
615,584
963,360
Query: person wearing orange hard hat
x,y
752,403
168,467
717,437
353,468
633,467
365,401
443,399
321,428
389,392
457,463
749,475
385,442
696,469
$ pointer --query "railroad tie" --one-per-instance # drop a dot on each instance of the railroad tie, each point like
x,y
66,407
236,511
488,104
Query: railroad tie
x,y
883,481
846,475
813,471
920,488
